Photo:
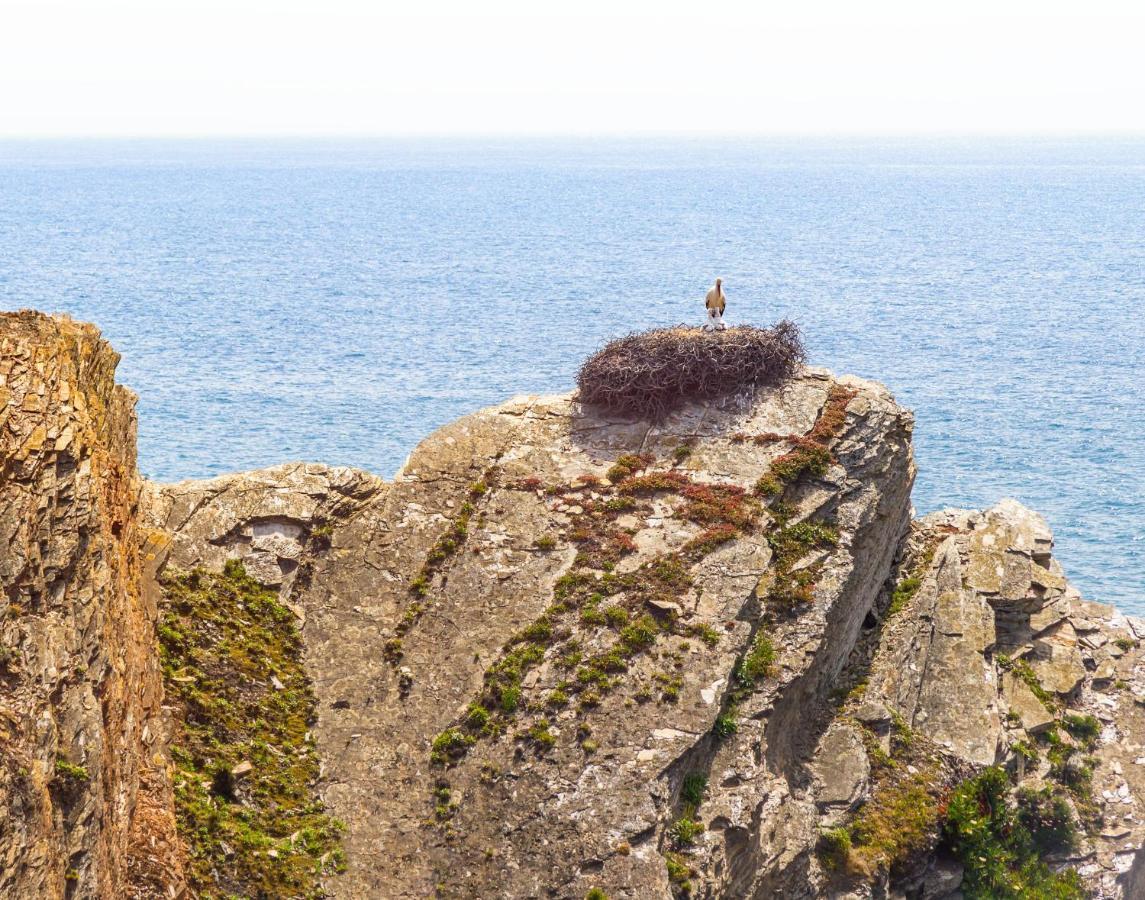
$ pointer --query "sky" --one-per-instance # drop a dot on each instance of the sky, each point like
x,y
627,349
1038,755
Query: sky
x,y
625,67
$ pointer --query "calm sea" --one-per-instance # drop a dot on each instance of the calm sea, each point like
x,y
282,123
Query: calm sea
x,y
336,301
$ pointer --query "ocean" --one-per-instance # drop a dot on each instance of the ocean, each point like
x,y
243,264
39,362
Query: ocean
x,y
337,300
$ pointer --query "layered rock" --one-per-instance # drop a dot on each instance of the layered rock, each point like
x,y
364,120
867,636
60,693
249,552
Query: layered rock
x,y
509,820
86,810
994,658
562,651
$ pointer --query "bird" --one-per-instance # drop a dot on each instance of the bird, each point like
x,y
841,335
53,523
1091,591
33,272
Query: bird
x,y
715,302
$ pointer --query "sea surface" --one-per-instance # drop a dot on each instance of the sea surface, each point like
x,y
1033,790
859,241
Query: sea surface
x,y
336,301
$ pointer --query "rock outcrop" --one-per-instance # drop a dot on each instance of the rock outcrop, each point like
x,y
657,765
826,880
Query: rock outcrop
x,y
86,809
588,810
562,651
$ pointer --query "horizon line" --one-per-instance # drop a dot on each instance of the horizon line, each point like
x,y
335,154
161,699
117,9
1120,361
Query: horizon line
x,y
581,136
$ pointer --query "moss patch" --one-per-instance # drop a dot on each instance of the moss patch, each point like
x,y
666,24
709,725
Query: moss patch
x,y
908,586
245,763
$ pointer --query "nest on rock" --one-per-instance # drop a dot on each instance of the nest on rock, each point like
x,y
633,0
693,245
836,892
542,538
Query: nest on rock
x,y
651,373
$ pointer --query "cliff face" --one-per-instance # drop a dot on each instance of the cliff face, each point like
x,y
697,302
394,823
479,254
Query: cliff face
x,y
561,652
79,676
548,659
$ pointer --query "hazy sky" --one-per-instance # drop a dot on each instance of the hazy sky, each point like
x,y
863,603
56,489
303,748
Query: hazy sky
x,y
207,67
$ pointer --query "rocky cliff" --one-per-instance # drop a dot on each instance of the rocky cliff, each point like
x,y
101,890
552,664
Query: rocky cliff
x,y
86,807
567,655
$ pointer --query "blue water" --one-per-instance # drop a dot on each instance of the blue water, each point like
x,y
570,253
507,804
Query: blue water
x,y
337,301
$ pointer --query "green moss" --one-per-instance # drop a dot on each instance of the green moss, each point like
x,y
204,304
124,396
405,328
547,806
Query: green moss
x,y
596,894
558,697
476,716
223,638
451,744
546,542
705,633
908,586
627,465
1022,669
639,635
900,821
834,848
541,736
670,686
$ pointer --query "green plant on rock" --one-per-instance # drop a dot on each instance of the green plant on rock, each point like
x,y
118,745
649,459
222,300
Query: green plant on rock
x,y
70,772
627,465
907,587
759,661
684,831
1083,728
692,790
726,725
679,872
833,848
245,764
451,744
1047,815
998,851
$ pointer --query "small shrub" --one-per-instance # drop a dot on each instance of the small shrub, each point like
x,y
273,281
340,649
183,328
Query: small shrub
x,y
70,772
997,849
1048,817
546,542
685,831
692,791
1083,728
760,660
725,726
679,872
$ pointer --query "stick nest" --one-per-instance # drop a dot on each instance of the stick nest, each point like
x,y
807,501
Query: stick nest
x,y
652,373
